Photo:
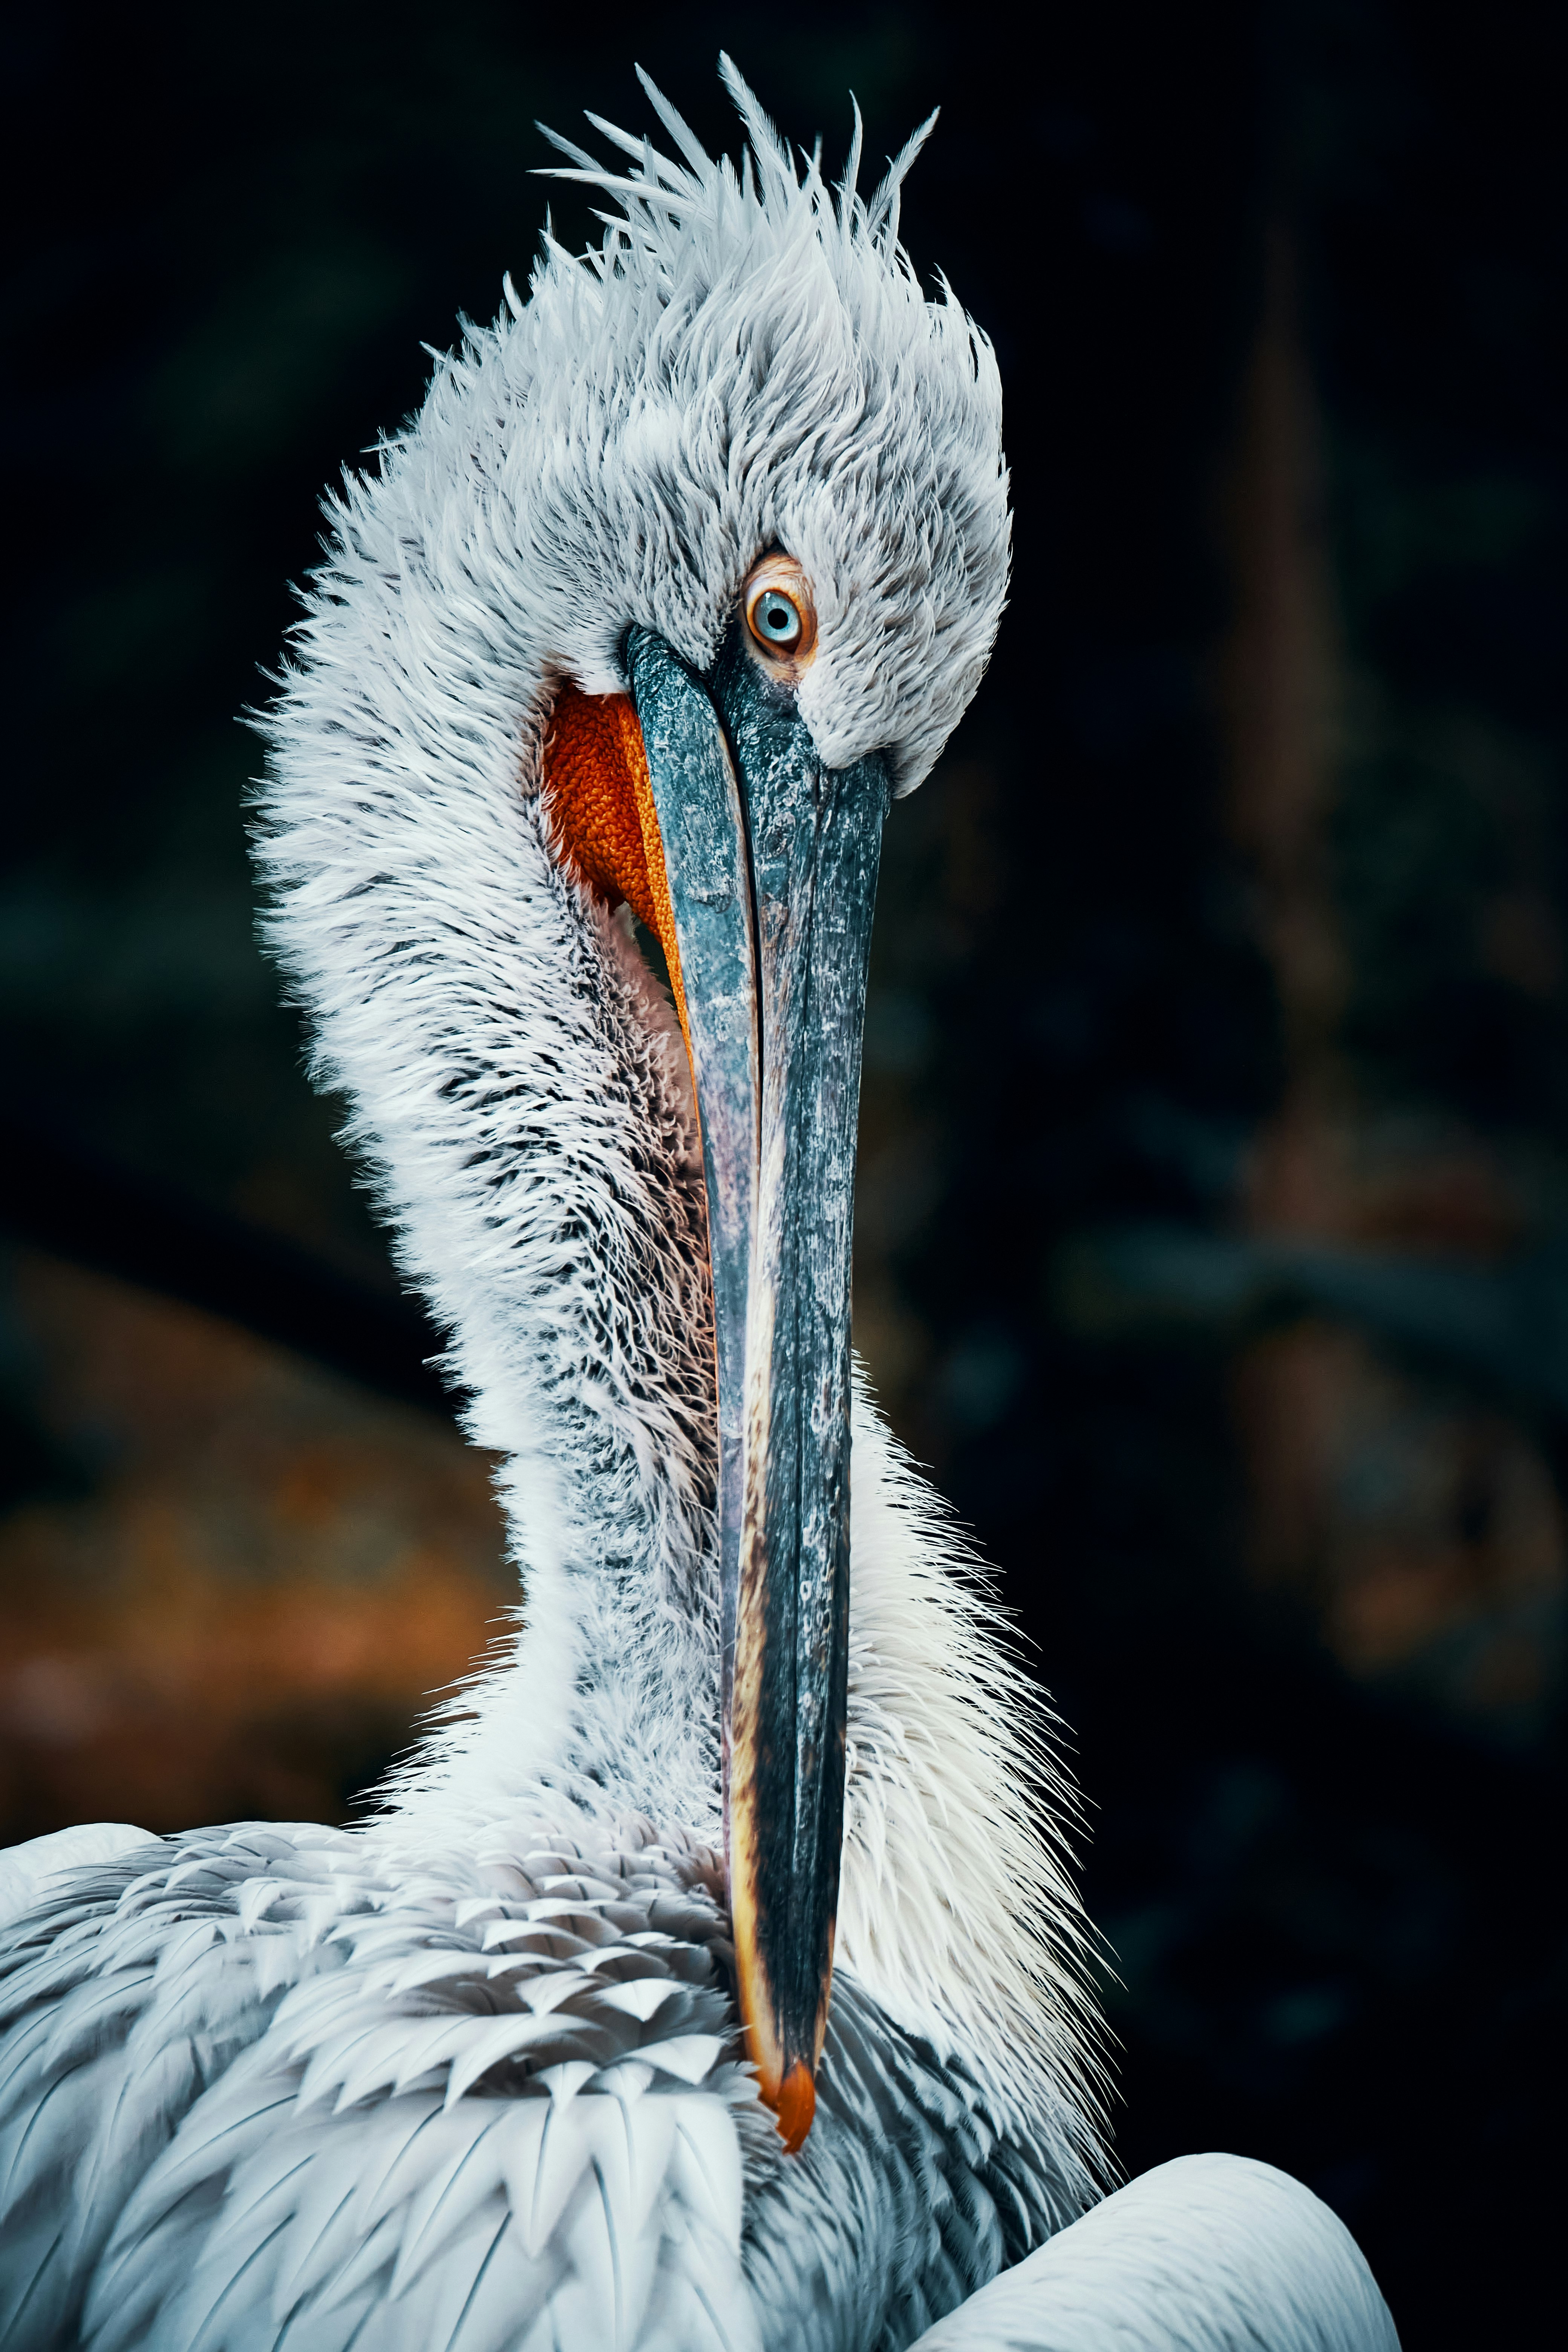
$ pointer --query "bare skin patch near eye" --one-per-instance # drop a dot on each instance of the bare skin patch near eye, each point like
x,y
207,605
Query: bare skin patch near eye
x,y
596,785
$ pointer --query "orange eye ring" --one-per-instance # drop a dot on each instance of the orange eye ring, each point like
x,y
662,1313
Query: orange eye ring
x,y
780,613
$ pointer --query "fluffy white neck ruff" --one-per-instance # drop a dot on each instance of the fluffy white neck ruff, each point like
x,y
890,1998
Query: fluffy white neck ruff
x,y
746,363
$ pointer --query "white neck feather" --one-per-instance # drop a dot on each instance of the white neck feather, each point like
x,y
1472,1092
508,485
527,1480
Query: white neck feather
x,y
520,1086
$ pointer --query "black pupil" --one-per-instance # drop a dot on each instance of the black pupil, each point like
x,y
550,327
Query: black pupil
x,y
777,617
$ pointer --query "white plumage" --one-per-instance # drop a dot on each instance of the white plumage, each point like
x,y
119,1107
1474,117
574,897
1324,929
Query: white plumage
x,y
1209,2253
467,2077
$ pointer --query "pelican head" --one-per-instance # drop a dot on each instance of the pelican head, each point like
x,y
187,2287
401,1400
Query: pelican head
x,y
686,570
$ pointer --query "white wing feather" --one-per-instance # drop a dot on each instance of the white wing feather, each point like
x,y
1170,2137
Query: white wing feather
x,y
25,1869
1210,2253
269,2086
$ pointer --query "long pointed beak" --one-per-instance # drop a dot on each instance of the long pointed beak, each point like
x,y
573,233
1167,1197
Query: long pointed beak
x,y
771,861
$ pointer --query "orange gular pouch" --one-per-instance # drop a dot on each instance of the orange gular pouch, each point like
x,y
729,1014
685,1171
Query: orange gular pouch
x,y
597,791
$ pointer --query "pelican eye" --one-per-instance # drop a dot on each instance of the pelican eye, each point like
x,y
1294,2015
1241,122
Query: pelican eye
x,y
780,613
775,621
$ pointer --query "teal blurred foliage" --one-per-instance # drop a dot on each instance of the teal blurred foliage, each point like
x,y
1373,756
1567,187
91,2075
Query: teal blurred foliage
x,y
1334,1895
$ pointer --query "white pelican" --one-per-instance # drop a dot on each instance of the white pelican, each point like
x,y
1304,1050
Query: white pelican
x,y
683,570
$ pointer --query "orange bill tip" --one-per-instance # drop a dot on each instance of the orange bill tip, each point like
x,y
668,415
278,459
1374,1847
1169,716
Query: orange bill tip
x,y
793,2097
794,2105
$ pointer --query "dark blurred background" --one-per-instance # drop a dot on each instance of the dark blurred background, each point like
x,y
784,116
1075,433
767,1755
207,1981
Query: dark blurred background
x,y
1213,1237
